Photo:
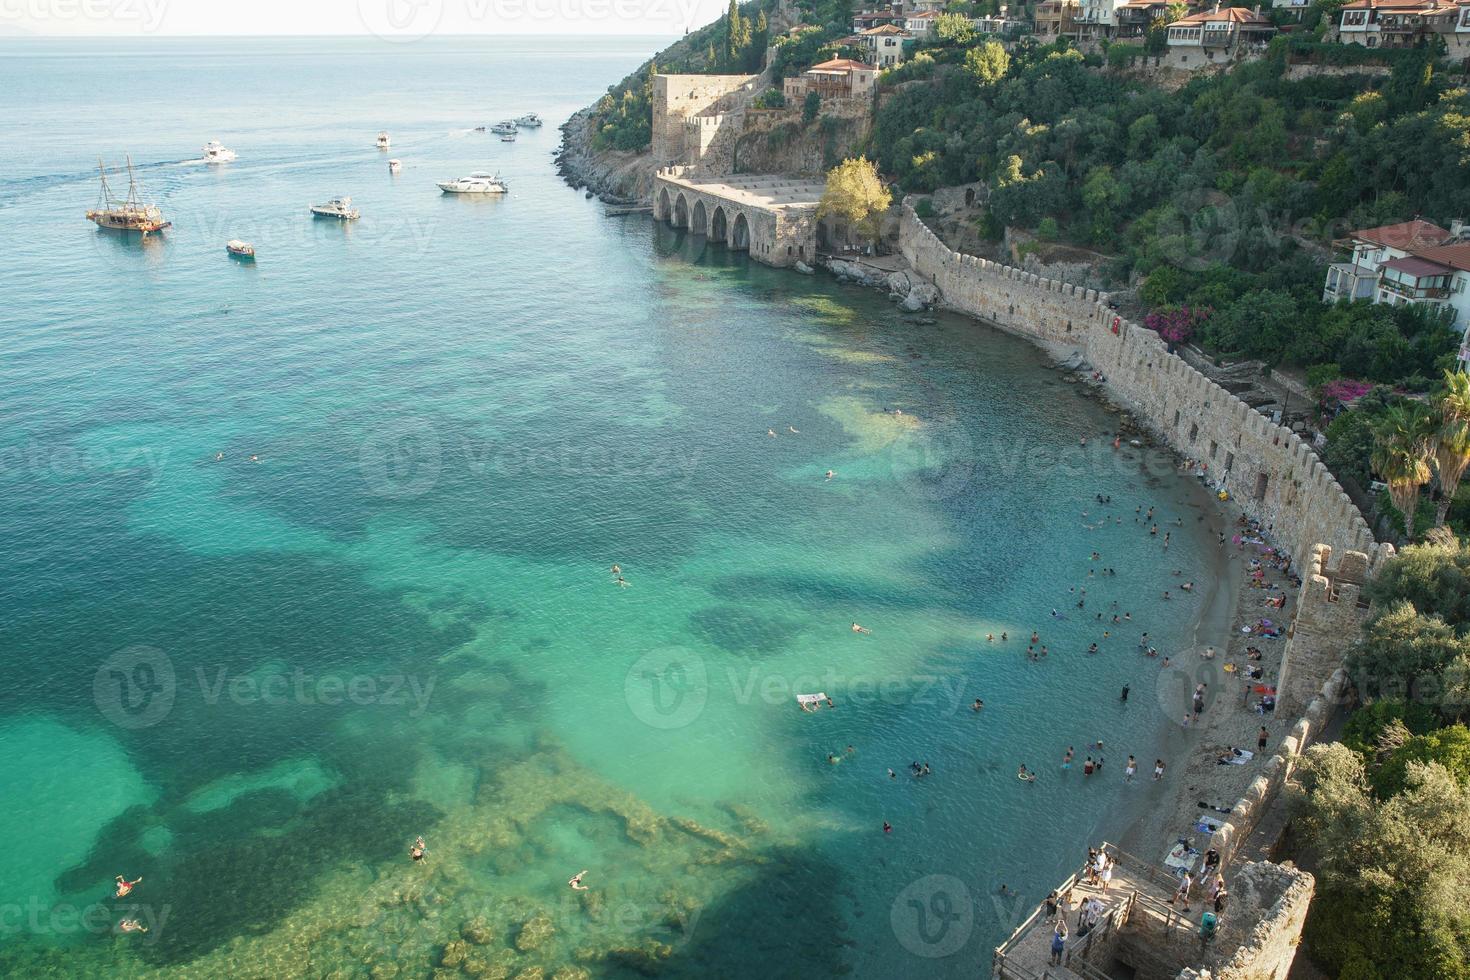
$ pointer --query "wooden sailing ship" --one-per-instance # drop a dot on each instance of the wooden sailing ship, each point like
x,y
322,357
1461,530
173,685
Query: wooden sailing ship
x,y
126,213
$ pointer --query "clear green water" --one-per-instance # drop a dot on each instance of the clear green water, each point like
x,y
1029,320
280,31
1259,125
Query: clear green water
x,y
255,683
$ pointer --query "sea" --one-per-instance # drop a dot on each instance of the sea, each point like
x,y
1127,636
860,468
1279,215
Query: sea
x,y
308,557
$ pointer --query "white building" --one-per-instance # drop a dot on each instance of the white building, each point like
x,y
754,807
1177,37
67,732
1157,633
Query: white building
x,y
1411,262
1217,36
886,44
921,24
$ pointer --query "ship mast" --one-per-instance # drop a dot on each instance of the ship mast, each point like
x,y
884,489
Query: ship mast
x,y
133,202
106,200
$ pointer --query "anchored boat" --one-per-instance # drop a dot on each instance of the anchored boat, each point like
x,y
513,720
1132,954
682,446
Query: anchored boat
x,y
338,207
240,250
217,152
383,141
125,214
479,182
530,120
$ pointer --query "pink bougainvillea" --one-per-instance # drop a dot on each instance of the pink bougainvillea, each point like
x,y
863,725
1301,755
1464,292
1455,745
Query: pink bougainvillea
x,y
1345,390
1175,324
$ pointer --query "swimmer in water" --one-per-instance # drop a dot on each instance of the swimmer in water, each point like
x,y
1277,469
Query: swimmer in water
x,y
622,582
418,850
124,886
860,629
254,459
576,881
218,457
617,570
131,925
771,433
830,474
977,705
793,431
887,827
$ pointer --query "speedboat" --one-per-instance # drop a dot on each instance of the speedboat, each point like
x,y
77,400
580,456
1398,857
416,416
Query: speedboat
x,y
530,120
504,126
479,182
383,141
394,166
508,137
479,129
216,152
338,207
239,249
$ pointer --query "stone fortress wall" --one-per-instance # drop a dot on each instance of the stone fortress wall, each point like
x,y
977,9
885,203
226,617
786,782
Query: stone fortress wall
x,y
1268,469
693,116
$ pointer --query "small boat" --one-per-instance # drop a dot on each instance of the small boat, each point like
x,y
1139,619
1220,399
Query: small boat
x,y
383,141
479,129
216,152
127,213
239,249
479,182
507,137
504,126
529,120
394,166
338,207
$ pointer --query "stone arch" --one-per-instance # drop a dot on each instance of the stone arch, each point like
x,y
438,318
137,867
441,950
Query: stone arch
x,y
699,218
661,206
681,212
718,224
740,232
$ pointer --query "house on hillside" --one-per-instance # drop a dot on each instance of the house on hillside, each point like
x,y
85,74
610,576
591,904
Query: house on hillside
x,y
877,18
886,44
921,24
1410,262
1217,37
840,78
1057,18
1404,23
1131,20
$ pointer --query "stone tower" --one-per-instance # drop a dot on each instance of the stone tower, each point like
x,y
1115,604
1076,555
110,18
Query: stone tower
x,y
1331,609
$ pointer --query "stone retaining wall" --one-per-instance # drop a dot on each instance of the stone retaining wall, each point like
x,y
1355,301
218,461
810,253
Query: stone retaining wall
x,y
1269,470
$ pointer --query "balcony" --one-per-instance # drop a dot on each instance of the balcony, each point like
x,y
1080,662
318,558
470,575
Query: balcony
x,y
1350,282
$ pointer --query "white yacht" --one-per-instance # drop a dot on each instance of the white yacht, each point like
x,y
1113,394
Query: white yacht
x,y
479,182
338,207
217,152
509,137
504,126
394,166
530,120
383,141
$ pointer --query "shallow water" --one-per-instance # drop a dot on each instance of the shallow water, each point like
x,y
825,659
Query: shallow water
x,y
255,683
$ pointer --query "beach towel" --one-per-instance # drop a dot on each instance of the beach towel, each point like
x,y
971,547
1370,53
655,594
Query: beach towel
x,y
1180,858
1207,826
1241,757
811,698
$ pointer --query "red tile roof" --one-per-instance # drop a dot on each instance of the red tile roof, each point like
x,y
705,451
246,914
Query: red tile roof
x,y
841,64
1407,235
1235,15
1416,266
1455,256
884,29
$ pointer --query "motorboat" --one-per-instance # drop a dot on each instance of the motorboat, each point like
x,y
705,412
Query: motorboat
x,y
394,166
479,182
508,137
130,213
479,129
504,126
383,141
338,207
239,249
529,120
217,152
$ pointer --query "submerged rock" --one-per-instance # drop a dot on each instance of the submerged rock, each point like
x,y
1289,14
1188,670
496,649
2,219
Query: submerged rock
x,y
535,932
805,270
477,931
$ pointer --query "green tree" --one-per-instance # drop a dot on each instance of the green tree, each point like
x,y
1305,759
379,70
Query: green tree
x,y
955,28
1452,440
810,106
1391,874
1433,578
1405,654
1450,747
855,195
1401,453
987,62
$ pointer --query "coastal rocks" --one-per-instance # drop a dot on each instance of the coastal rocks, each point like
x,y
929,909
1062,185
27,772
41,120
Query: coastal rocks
x,y
804,269
898,283
854,272
477,931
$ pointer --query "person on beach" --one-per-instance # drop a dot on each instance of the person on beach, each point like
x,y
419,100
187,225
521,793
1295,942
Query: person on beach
x,y
418,850
1051,906
576,881
1212,861
1130,770
1058,942
1182,895
1158,769
1261,739
1107,874
124,886
131,925
1220,897
860,629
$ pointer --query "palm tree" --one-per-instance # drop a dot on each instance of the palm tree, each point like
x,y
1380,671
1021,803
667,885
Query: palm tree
x,y
1452,440
1402,439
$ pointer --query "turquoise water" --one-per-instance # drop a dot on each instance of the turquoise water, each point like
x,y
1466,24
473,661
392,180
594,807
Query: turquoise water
x,y
254,683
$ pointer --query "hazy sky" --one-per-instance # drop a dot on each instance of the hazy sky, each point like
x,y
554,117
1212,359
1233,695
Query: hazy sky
x,y
392,19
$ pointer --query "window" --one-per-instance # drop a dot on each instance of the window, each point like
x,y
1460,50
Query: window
x,y
1229,461
1261,481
